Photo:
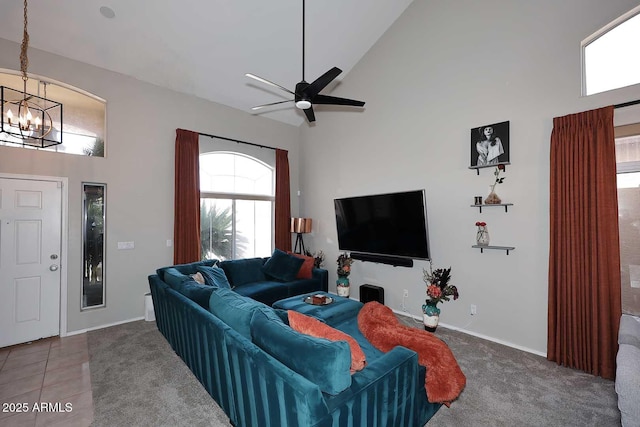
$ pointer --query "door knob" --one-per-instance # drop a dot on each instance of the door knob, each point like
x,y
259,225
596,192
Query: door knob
x,y
53,267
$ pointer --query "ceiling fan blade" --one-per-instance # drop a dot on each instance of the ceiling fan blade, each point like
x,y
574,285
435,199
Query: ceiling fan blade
x,y
321,82
309,113
333,100
257,107
260,79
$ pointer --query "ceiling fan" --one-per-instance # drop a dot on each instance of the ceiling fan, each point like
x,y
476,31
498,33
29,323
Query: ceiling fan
x,y
306,94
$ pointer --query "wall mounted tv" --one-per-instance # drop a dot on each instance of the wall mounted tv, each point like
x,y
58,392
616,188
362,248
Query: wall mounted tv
x,y
388,228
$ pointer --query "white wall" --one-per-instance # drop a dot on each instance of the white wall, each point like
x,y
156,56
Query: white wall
x,y
440,70
138,170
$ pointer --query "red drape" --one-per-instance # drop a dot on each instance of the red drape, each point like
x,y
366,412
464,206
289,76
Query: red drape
x,y
584,257
186,226
283,202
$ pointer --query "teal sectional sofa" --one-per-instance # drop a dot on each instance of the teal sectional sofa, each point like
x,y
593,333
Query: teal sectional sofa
x,y
263,373
245,276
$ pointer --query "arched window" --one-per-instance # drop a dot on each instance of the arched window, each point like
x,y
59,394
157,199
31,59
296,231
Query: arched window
x,y
610,56
236,206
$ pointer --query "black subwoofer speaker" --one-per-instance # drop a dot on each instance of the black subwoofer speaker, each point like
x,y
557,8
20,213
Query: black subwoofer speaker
x,y
371,293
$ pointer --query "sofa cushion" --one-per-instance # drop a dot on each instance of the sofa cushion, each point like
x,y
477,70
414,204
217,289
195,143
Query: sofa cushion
x,y
627,383
189,268
268,292
242,271
282,266
195,291
309,326
214,276
321,361
303,286
233,309
629,331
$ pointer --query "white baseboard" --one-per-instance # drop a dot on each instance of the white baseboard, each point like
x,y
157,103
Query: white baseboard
x,y
82,331
475,334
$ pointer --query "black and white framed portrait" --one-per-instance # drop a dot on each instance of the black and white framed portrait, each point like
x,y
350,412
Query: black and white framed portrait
x,y
490,145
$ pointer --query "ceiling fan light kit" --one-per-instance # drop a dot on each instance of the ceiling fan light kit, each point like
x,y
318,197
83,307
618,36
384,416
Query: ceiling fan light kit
x,y
303,104
308,94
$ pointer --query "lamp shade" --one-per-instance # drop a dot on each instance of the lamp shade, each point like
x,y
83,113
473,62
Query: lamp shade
x,y
301,225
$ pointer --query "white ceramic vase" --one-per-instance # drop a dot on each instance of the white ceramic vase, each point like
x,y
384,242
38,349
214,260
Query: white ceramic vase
x,y
343,291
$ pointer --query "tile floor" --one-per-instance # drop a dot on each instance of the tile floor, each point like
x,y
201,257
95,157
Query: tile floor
x,y
52,373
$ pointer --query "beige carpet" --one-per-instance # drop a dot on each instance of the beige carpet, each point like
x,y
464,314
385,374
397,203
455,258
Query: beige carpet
x,y
138,380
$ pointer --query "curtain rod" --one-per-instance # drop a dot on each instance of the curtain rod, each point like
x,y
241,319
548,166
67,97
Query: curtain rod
x,y
235,140
627,104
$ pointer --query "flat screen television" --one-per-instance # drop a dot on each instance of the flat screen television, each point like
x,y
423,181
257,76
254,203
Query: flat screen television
x,y
393,224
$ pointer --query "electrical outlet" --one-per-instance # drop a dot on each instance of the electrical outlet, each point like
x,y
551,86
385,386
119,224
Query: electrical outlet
x,y
405,293
474,309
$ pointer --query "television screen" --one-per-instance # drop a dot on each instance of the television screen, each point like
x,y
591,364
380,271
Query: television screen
x,y
392,224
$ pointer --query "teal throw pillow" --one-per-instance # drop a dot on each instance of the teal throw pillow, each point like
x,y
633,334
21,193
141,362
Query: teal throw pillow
x,y
242,271
323,362
282,266
173,277
282,314
234,309
214,276
195,292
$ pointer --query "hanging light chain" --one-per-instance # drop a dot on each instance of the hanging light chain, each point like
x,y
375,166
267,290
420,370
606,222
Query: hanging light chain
x,y
24,60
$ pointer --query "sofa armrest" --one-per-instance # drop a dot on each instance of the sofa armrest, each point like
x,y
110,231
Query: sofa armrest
x,y
323,276
389,391
627,384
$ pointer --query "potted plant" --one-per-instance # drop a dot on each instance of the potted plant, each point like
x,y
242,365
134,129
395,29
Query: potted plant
x,y
318,258
438,289
344,269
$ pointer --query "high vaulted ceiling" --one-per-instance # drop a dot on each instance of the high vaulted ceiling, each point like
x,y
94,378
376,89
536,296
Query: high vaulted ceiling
x,y
205,47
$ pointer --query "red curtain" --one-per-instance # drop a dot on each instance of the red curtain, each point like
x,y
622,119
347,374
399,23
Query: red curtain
x,y
584,257
186,226
283,202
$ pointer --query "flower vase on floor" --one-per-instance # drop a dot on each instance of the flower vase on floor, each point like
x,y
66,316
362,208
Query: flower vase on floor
x,y
342,285
430,317
344,269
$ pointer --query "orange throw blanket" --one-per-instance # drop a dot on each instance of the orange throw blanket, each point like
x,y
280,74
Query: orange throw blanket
x,y
444,380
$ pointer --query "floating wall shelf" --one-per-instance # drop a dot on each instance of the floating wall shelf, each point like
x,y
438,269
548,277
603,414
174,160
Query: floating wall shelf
x,y
477,168
506,206
500,248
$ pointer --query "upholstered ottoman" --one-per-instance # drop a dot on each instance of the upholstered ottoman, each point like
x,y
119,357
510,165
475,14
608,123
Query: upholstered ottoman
x,y
332,314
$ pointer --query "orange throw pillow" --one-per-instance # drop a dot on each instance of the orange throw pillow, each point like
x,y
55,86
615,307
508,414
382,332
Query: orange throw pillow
x,y
309,326
307,266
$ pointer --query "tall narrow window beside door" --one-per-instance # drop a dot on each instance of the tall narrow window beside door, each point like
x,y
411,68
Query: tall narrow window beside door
x,y
93,245
628,168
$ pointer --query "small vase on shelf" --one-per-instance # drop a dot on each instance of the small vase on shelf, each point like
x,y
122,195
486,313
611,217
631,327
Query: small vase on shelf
x,y
492,199
482,236
430,317
342,285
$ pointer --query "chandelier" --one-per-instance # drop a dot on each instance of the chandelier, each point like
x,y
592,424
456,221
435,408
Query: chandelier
x,y
29,119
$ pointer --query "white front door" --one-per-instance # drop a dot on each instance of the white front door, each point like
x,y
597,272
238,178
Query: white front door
x,y
30,245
